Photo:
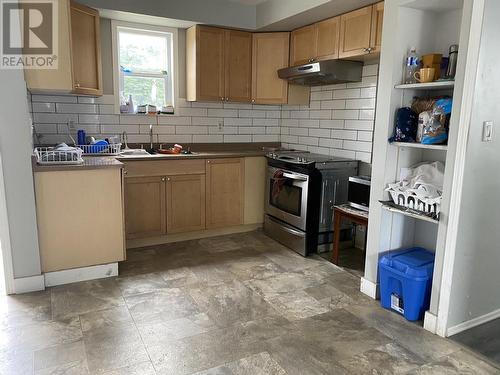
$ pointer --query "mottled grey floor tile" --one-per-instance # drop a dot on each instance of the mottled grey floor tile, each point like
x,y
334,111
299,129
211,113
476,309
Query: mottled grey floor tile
x,y
143,368
258,364
155,333
253,268
71,368
41,335
130,285
178,277
291,261
329,296
285,282
295,305
80,298
59,355
165,304
211,274
220,244
215,348
16,361
23,309
114,316
109,348
460,362
384,360
407,334
231,302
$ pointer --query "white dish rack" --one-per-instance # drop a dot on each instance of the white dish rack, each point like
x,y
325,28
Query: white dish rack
x,y
49,156
109,149
411,200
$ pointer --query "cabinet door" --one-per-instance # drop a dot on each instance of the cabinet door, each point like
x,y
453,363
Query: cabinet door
x,y
238,66
185,203
377,22
209,63
355,28
328,39
145,210
86,50
270,53
303,45
225,192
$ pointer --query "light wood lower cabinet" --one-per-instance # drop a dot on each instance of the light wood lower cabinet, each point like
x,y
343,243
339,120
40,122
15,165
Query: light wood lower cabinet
x,y
80,218
225,192
185,203
145,207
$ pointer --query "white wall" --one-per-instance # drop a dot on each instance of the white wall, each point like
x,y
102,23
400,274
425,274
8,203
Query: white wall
x,y
475,283
16,148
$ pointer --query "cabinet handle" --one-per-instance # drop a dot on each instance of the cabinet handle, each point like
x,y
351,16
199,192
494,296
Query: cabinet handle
x,y
168,179
125,172
253,100
77,85
163,179
227,99
208,161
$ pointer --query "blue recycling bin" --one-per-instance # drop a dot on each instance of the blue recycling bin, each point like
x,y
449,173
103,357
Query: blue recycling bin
x,y
406,280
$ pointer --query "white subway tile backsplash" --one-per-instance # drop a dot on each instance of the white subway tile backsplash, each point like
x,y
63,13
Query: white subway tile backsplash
x,y
222,112
338,121
191,129
174,120
76,108
360,104
330,143
208,138
323,133
359,125
43,107
333,104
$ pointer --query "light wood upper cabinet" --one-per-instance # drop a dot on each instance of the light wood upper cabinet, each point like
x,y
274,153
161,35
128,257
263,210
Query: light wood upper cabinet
x,y
225,192
218,64
303,44
205,63
145,209
327,45
185,203
355,29
361,31
86,50
319,41
377,22
79,54
270,53
238,66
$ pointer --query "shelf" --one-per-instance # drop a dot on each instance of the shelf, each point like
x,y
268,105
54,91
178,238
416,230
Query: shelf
x,y
420,145
438,85
412,214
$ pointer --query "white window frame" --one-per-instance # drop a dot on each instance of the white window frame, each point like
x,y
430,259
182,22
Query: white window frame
x,y
171,80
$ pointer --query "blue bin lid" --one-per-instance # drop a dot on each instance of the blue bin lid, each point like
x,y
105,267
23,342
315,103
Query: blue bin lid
x,y
414,262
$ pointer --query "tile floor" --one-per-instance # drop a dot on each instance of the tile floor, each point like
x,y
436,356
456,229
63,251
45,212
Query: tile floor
x,y
237,304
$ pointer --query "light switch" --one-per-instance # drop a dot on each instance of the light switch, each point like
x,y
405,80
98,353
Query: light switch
x,y
487,131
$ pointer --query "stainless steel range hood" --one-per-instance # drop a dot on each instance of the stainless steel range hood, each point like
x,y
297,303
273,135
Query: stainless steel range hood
x,y
323,73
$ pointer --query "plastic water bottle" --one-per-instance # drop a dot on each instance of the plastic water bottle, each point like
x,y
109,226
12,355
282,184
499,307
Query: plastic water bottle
x,y
411,66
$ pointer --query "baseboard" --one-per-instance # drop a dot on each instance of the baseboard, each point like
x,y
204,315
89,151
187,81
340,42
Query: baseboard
x,y
369,288
473,323
176,237
430,322
81,274
29,284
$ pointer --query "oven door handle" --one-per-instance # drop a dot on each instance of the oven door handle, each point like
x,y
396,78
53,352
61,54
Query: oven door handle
x,y
294,176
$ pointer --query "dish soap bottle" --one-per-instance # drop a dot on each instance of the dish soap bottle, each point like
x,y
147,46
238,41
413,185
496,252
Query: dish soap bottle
x,y
411,66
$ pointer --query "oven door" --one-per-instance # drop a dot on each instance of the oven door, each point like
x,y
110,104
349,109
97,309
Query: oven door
x,y
288,202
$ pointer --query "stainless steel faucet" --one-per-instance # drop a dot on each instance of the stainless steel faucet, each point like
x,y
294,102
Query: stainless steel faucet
x,y
125,140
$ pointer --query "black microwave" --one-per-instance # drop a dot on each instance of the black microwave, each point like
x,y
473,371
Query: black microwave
x,y
358,193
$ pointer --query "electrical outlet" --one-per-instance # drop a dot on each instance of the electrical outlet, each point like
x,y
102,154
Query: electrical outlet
x,y
221,124
487,131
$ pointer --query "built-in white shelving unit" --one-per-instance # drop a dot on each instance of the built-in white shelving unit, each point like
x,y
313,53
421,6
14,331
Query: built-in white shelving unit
x,y
437,85
430,26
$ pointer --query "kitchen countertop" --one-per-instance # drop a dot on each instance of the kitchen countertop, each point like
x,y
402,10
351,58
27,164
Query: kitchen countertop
x,y
89,163
100,162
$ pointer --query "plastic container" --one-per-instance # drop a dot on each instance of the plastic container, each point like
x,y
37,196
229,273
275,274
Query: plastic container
x,y
412,64
405,281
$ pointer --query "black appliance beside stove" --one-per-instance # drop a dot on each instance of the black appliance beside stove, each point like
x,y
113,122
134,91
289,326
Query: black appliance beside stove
x,y
301,190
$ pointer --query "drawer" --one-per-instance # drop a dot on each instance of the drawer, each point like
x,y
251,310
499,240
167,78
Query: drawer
x,y
142,168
